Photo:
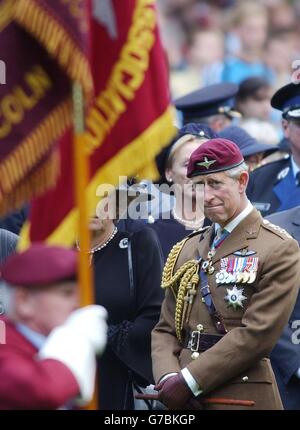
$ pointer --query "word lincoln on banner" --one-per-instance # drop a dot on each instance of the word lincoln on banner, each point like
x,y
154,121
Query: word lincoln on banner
x,y
2,333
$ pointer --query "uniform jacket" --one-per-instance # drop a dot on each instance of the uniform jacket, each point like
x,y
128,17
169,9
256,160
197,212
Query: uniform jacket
x,y
270,188
15,220
237,367
28,383
285,357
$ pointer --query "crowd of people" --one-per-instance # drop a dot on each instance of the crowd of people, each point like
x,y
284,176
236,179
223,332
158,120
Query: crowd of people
x,y
199,296
216,41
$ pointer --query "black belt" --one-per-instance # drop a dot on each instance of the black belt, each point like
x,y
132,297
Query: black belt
x,y
199,342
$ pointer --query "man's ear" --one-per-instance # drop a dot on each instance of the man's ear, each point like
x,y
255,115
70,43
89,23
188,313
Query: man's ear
x,y
243,181
285,127
24,303
219,123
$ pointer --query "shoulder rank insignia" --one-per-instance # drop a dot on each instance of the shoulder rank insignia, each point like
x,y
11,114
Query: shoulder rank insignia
x,y
282,174
262,207
277,228
235,297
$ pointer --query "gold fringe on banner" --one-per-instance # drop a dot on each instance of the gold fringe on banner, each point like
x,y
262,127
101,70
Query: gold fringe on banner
x,y
127,162
20,161
37,183
6,13
56,40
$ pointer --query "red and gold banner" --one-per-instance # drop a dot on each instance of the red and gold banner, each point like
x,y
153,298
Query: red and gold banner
x,y
35,100
128,121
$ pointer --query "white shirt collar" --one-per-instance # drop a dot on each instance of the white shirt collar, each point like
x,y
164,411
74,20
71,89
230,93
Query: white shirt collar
x,y
295,167
235,222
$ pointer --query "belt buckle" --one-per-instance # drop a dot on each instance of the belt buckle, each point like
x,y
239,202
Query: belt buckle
x,y
195,337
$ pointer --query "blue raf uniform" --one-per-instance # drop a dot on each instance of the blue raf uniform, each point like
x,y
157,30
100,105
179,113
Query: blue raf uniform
x,y
285,357
275,187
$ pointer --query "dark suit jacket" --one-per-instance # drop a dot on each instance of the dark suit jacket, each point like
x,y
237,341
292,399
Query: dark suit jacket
x,y
285,357
8,243
15,220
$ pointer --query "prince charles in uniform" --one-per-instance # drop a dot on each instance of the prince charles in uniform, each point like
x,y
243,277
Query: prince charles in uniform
x,y
230,289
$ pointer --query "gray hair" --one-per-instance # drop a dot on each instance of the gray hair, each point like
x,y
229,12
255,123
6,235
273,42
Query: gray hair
x,y
236,172
7,298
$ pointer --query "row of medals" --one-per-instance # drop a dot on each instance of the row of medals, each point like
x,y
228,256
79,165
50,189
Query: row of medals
x,y
234,297
236,276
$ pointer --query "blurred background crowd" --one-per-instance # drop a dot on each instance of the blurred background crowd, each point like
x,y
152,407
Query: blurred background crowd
x,y
215,41
229,40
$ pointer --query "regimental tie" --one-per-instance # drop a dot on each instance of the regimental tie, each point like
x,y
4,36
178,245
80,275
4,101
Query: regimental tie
x,y
220,237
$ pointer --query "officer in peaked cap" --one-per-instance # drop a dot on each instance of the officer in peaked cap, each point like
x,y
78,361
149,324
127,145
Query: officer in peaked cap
x,y
213,105
252,150
276,186
223,284
50,345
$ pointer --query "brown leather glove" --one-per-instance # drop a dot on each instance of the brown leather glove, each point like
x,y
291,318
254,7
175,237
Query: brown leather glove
x,y
174,392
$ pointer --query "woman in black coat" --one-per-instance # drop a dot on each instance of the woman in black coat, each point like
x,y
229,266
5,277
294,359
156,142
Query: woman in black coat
x,y
127,271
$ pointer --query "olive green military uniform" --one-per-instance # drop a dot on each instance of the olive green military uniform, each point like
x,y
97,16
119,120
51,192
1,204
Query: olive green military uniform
x,y
254,307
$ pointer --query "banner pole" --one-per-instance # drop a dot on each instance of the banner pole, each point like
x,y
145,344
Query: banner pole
x,y
81,179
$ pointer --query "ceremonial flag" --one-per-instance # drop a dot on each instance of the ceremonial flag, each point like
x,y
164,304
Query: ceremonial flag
x,y
35,102
128,121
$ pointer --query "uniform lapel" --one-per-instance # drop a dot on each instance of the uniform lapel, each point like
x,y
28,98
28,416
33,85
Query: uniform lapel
x,y
238,238
205,242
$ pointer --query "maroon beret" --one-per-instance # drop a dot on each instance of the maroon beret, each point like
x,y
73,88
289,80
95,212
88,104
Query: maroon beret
x,y
40,265
215,155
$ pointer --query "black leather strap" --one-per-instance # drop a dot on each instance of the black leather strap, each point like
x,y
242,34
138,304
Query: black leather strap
x,y
208,300
200,342
130,269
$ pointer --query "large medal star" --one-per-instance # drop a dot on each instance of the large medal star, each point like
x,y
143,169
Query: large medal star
x,y
206,163
235,297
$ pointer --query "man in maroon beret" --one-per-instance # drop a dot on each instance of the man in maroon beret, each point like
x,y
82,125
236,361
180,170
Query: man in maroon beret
x,y
48,353
230,289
